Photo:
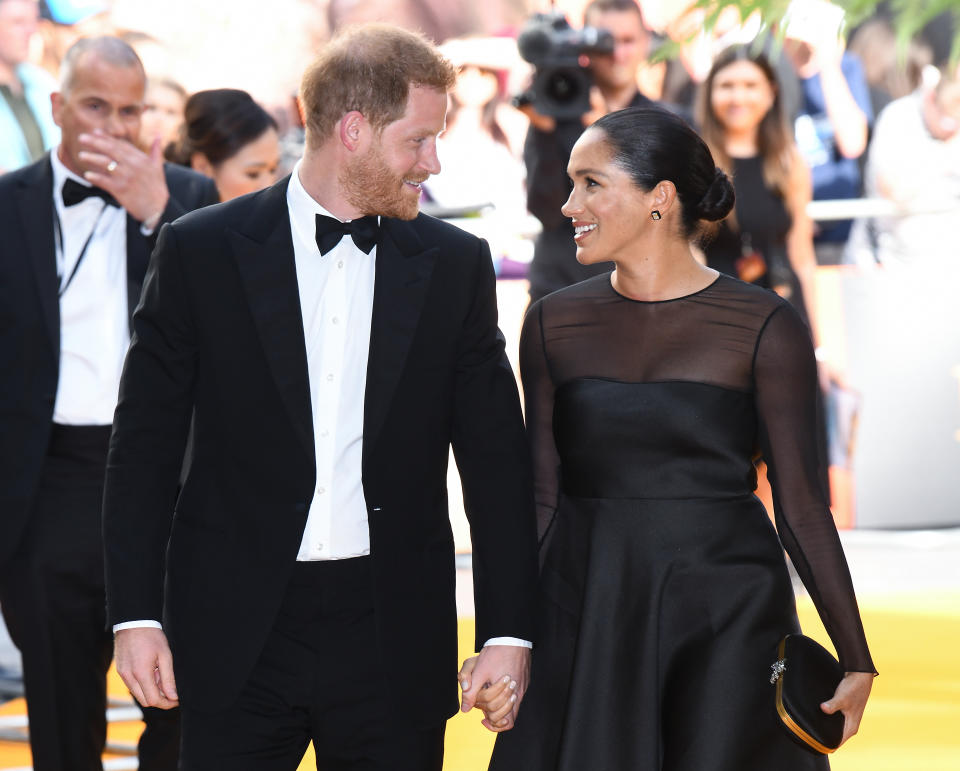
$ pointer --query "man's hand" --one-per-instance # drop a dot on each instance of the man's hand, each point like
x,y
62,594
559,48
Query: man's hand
x,y
145,665
494,664
131,176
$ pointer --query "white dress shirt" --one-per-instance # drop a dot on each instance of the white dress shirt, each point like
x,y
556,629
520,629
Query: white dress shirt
x,y
94,325
336,300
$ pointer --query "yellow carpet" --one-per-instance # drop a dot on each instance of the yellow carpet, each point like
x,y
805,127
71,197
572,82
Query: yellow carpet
x,y
912,721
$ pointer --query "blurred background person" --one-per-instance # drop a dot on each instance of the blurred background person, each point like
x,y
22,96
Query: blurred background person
x,y
832,124
890,73
63,22
78,227
474,149
914,159
437,19
768,240
696,49
163,108
27,129
166,97
550,141
158,60
478,168
292,133
228,137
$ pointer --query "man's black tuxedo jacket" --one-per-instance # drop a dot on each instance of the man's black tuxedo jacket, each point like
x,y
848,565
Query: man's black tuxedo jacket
x,y
30,322
219,334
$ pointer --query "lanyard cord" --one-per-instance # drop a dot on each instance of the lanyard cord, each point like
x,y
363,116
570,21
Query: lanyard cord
x,y
58,231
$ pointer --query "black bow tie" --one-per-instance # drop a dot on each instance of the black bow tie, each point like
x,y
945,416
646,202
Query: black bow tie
x,y
74,192
364,231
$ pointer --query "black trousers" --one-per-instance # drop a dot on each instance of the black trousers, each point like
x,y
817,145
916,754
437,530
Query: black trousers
x,y
320,677
54,604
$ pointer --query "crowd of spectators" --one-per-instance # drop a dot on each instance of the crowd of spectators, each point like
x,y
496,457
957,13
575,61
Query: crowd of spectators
x,y
830,95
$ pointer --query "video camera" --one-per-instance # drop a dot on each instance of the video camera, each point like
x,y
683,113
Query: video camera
x,y
561,84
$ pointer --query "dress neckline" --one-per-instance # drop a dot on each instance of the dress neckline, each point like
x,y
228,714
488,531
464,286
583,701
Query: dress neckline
x,y
667,300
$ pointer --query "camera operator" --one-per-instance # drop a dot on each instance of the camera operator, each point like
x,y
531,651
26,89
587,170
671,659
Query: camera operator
x,y
550,140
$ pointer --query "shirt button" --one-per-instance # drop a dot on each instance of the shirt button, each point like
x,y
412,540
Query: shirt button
x,y
321,490
340,264
336,320
319,547
324,433
330,378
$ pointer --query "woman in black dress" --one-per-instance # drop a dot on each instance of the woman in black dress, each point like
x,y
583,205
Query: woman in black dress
x,y
768,238
649,392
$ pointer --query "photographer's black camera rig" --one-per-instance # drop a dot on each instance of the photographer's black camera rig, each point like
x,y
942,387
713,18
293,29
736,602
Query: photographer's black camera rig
x,y
562,80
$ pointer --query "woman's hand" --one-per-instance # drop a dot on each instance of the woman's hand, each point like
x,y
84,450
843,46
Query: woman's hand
x,y
850,698
496,700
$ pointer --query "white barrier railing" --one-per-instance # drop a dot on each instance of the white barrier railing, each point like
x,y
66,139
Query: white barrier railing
x,y
853,208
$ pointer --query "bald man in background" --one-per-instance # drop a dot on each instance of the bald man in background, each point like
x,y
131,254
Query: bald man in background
x,y
78,227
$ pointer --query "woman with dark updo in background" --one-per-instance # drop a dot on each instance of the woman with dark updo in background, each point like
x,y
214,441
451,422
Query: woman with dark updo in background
x,y
649,391
230,138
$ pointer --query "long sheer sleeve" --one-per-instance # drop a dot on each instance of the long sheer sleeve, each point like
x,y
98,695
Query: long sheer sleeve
x,y
785,376
538,388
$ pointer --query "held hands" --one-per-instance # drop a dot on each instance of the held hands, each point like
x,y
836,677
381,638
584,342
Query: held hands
x,y
850,698
131,176
145,665
495,682
495,700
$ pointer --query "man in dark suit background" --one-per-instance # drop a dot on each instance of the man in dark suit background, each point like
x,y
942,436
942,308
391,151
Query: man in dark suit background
x,y
71,268
331,343
549,142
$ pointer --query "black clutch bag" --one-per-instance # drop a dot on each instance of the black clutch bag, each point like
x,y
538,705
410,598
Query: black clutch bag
x,y
806,674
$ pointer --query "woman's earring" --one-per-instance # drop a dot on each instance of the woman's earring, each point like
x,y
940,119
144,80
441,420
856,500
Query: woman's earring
x,y
655,214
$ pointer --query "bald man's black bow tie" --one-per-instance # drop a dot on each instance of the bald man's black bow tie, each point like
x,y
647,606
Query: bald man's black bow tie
x,y
74,192
364,231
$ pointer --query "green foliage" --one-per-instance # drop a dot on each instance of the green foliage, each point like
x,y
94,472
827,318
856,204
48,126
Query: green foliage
x,y
910,16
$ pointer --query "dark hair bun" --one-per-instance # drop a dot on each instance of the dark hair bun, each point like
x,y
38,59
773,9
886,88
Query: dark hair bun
x,y
718,200
218,123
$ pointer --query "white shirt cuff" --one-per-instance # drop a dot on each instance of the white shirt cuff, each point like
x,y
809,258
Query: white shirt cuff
x,y
514,641
145,624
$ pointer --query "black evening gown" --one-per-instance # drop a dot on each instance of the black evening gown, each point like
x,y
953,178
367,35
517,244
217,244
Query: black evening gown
x,y
664,586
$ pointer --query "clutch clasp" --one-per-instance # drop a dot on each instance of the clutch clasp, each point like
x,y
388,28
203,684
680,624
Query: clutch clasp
x,y
777,669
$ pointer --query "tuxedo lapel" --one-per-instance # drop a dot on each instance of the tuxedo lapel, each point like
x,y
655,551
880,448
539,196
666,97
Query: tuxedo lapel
x,y
137,257
35,203
264,256
404,266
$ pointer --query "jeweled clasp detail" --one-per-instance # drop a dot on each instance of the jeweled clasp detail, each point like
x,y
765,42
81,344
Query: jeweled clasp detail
x,y
777,669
